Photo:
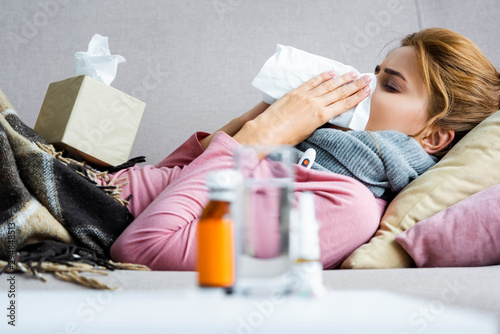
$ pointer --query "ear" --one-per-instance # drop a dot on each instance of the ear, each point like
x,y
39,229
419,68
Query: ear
x,y
436,139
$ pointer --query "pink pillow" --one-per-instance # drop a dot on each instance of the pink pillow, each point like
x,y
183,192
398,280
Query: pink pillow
x,y
466,234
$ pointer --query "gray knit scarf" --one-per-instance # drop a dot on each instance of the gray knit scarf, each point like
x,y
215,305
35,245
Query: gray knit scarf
x,y
384,161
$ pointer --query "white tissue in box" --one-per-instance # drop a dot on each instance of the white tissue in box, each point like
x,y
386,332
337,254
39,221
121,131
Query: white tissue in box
x,y
289,67
98,62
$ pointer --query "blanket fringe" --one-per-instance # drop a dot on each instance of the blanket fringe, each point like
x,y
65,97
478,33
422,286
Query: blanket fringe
x,y
71,276
113,189
72,271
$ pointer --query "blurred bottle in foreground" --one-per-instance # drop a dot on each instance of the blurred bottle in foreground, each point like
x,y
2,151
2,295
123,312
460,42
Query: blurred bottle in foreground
x,y
216,262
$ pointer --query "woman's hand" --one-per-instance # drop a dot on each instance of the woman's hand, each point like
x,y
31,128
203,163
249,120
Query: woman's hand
x,y
237,123
295,116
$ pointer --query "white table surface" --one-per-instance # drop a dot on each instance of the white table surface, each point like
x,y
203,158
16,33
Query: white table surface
x,y
191,310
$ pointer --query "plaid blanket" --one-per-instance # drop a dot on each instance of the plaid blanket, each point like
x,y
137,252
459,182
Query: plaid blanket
x,y
51,208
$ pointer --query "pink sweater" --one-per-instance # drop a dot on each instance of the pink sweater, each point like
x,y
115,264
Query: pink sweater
x,y
168,200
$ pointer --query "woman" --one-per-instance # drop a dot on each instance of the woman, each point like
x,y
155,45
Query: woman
x,y
431,91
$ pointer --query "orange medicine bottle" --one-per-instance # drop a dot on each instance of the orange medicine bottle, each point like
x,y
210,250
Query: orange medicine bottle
x,y
216,259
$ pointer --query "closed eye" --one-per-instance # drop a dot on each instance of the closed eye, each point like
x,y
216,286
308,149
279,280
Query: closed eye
x,y
390,88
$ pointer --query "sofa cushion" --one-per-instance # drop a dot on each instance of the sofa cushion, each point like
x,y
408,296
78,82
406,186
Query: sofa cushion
x,y
466,234
469,167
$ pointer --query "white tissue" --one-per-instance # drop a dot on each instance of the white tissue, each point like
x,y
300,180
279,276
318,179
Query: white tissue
x,y
289,67
98,62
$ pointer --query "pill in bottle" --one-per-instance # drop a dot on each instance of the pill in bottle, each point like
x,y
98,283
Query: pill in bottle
x,y
216,244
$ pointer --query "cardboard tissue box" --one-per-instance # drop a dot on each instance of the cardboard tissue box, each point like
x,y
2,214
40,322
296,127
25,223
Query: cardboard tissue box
x,y
96,120
85,115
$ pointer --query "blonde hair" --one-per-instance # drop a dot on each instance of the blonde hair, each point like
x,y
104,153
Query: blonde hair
x,y
463,86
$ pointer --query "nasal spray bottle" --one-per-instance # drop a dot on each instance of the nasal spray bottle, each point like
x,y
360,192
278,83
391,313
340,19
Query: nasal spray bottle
x,y
307,264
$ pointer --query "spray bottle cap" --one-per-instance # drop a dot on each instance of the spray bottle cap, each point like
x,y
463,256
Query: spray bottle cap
x,y
308,229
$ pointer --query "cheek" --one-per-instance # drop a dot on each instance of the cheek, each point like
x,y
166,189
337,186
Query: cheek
x,y
381,111
395,112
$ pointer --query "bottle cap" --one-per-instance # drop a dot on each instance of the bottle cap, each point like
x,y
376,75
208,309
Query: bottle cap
x,y
223,179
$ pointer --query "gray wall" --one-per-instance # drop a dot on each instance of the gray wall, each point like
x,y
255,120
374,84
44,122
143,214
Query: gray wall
x,y
202,55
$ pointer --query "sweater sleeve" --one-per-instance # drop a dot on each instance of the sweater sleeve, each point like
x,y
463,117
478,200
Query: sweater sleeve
x,y
185,153
163,236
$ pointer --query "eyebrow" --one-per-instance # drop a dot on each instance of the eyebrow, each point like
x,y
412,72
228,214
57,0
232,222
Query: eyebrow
x,y
390,71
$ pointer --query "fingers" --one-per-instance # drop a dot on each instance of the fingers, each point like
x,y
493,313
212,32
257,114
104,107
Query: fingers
x,y
343,92
346,103
333,95
315,81
331,85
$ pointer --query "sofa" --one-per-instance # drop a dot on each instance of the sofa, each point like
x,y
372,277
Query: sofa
x,y
192,63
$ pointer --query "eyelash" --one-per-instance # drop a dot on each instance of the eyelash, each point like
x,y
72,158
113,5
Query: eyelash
x,y
390,88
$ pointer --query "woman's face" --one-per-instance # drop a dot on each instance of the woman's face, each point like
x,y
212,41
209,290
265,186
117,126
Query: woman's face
x,y
400,99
